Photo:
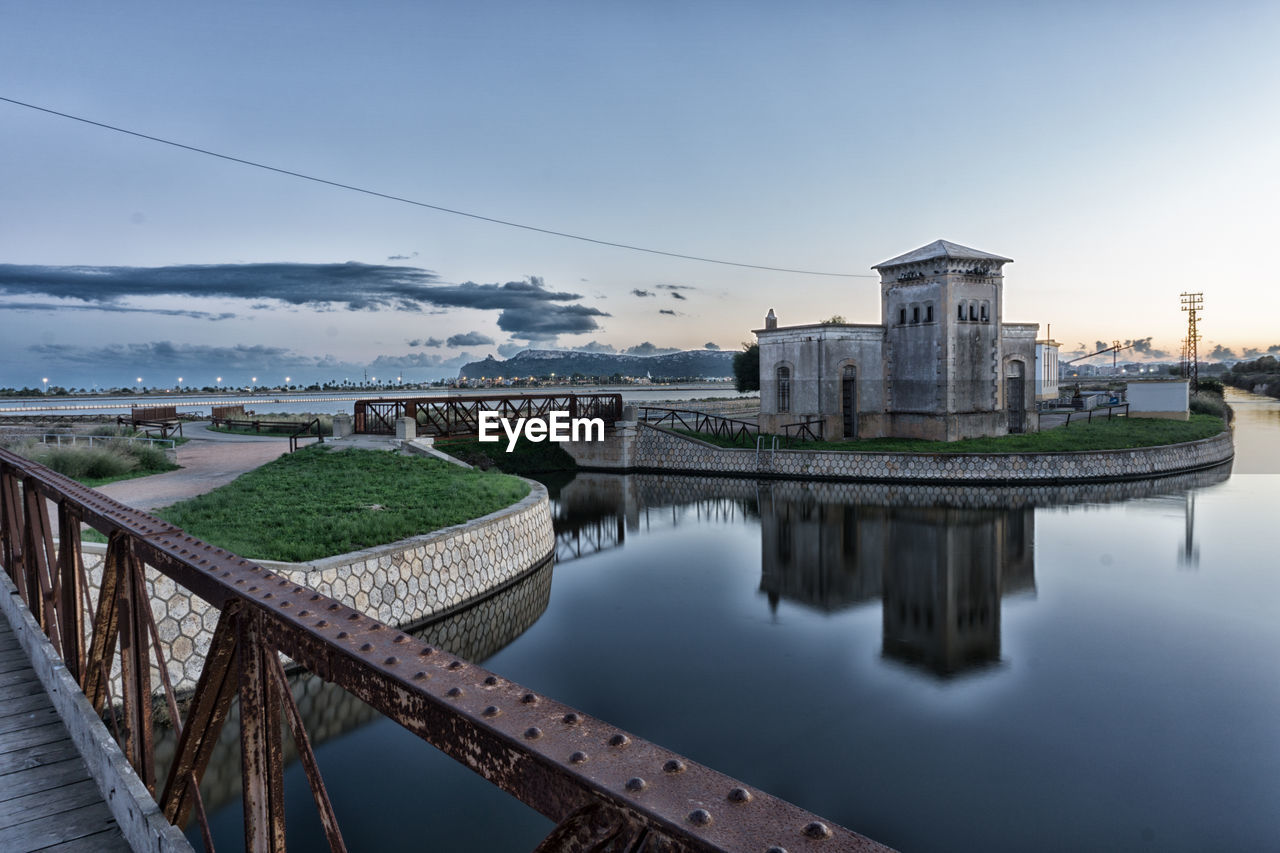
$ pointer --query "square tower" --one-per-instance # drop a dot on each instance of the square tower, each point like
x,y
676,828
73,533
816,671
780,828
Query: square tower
x,y
943,360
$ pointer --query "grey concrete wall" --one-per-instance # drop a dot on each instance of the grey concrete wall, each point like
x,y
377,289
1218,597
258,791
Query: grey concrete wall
x,y
659,449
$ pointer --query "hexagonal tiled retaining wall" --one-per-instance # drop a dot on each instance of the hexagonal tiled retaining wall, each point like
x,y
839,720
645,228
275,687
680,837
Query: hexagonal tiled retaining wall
x,y
658,449
400,584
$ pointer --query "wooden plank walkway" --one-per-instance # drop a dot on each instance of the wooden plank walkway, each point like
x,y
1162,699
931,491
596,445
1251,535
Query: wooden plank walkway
x,y
47,800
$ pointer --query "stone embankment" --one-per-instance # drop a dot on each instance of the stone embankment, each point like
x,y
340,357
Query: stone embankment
x,y
642,447
400,584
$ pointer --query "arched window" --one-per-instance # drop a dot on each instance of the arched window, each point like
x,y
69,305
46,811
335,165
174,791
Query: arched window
x,y
984,312
960,311
784,389
928,313
973,311
915,313
902,316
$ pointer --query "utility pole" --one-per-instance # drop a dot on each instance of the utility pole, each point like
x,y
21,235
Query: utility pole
x,y
1192,303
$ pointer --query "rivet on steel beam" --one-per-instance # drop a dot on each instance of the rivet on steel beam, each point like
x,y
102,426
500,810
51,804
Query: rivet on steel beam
x,y
400,638
675,765
354,617
490,679
322,624
700,817
315,597
739,795
578,758
529,699
304,613
283,603
342,635
367,647
226,574
268,595
635,783
375,627
420,675
572,718
491,711
454,692
427,651
817,829
457,665
334,606
776,849
392,661
533,733
619,740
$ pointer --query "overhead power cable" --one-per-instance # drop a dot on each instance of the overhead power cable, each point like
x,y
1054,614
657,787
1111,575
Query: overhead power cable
x,y
416,203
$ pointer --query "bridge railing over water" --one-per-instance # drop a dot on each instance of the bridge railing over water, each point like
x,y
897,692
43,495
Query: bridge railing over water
x,y
605,788
461,415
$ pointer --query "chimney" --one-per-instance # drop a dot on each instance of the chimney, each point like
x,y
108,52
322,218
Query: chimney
x,y
770,320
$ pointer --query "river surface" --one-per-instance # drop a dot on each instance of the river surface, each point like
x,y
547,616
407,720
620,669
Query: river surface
x,y
333,402
1046,669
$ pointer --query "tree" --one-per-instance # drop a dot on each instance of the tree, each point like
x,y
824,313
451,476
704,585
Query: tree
x,y
746,368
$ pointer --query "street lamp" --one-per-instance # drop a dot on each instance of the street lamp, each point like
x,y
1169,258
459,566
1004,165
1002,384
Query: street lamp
x,y
46,384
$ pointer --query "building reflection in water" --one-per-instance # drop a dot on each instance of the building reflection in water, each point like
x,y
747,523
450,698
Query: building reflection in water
x,y
940,573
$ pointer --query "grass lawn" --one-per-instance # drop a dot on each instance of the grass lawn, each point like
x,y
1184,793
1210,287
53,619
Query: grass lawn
x,y
317,503
1111,434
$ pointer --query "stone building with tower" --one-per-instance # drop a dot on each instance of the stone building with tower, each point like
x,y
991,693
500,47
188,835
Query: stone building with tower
x,y
942,364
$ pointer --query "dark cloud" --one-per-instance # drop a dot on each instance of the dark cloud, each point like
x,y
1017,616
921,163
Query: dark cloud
x,y
675,294
418,361
711,346
545,322
469,339
641,293
1221,353
528,309
121,309
355,286
1100,345
402,257
677,287
667,311
1144,347
594,346
510,349
426,342
647,348
166,354
1274,349
1252,352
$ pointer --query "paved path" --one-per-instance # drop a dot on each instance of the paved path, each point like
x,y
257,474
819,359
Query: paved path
x,y
208,460
47,799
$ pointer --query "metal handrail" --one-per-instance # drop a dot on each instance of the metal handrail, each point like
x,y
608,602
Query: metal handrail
x,y
700,422
585,774
455,416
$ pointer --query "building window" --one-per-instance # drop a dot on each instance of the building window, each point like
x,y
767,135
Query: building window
x,y
928,313
902,316
784,389
915,313
973,311
984,312
960,311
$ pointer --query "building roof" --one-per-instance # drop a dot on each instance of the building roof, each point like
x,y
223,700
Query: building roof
x,y
941,249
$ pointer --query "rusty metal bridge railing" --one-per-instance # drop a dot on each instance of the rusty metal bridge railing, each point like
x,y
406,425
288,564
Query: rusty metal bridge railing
x,y
442,416
606,789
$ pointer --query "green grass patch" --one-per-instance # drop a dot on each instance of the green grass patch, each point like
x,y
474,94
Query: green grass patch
x,y
317,503
104,462
1109,434
528,457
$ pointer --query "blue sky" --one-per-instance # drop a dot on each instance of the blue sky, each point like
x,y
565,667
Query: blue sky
x,y
1120,153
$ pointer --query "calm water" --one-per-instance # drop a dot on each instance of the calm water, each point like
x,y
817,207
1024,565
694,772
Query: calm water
x,y
1003,670
330,402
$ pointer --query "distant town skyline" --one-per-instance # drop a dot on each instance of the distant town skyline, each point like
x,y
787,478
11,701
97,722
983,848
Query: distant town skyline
x,y
1119,154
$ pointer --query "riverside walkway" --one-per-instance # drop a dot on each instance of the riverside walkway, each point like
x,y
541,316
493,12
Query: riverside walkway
x,y
47,799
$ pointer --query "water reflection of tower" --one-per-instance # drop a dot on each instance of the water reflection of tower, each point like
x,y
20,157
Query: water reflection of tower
x,y
941,572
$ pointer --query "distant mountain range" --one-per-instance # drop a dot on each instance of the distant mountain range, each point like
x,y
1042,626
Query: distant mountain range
x,y
544,362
